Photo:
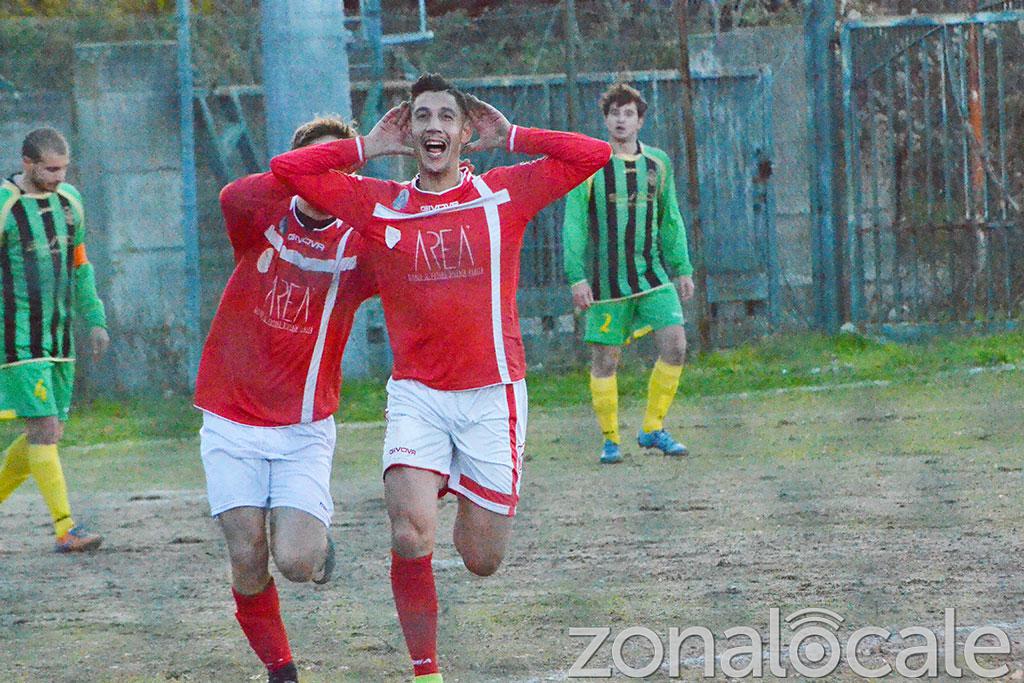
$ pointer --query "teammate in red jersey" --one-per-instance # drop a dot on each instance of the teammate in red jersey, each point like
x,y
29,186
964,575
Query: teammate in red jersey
x,y
268,387
446,248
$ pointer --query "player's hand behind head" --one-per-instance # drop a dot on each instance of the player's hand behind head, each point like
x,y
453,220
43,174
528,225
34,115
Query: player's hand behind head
x,y
391,135
490,125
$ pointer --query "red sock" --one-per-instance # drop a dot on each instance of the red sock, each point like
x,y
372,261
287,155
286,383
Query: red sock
x,y
412,582
260,618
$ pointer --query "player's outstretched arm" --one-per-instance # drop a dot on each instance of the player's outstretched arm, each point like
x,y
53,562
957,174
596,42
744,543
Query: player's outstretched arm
x,y
569,159
321,174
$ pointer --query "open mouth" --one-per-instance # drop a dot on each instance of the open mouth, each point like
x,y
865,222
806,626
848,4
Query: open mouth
x,y
435,149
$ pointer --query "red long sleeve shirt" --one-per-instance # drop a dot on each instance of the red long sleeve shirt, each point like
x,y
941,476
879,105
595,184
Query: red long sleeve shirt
x,y
447,263
273,354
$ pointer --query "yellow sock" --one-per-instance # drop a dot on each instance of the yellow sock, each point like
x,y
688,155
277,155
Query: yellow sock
x,y
45,466
14,470
604,393
660,392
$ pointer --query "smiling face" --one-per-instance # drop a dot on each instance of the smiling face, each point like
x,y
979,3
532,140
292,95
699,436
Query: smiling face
x,y
439,130
46,173
623,122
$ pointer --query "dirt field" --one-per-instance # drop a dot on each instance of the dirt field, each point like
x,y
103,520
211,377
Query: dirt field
x,y
884,504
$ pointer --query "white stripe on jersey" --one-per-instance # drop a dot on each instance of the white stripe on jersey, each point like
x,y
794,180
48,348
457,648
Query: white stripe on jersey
x,y
307,263
309,391
493,199
494,234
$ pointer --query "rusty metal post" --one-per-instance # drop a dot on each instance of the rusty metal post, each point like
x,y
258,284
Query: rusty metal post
x,y
976,209
693,195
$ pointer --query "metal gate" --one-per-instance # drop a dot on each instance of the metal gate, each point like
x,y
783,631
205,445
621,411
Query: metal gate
x,y
932,169
733,124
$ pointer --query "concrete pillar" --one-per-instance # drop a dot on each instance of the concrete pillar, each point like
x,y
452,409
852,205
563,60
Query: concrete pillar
x,y
130,168
305,65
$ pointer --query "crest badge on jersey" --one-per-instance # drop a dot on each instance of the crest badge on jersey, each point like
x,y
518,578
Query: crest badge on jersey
x,y
401,201
391,236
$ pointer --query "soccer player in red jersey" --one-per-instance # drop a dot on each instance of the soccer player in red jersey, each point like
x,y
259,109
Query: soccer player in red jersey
x,y
268,386
445,248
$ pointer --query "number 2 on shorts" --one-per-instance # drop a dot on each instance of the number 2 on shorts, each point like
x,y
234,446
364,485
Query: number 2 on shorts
x,y
607,322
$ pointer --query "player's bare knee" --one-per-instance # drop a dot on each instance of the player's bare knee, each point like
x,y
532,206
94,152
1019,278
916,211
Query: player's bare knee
x,y
247,543
675,355
248,557
605,360
411,536
296,567
481,564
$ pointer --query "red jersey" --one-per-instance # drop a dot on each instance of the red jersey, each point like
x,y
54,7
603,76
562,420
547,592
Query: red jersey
x,y
273,355
447,263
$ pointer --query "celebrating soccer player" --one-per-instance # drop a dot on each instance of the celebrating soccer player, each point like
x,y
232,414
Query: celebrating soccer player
x,y
47,280
268,387
446,250
628,267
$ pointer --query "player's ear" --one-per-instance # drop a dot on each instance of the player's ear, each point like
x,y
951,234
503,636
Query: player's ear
x,y
467,130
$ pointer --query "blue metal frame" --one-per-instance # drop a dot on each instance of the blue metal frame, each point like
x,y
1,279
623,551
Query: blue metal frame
x,y
819,22
189,218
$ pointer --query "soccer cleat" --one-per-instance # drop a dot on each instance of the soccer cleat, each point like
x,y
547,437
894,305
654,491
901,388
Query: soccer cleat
x,y
661,440
76,540
610,454
286,674
329,562
428,678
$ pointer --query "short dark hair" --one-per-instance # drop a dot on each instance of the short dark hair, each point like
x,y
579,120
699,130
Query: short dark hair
x,y
438,83
43,140
621,94
329,124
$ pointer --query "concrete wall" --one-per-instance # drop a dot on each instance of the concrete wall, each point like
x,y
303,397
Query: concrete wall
x,y
127,112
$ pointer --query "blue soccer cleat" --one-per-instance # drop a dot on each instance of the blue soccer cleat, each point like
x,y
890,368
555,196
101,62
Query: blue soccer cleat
x,y
661,440
610,454
77,540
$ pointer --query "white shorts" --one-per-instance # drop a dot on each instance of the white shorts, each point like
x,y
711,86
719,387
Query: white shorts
x,y
268,467
474,438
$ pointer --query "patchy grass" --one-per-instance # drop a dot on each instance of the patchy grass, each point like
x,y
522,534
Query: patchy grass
x,y
777,362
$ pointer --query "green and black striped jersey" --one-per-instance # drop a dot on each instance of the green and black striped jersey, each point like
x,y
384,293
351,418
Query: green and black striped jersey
x,y
623,232
45,275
